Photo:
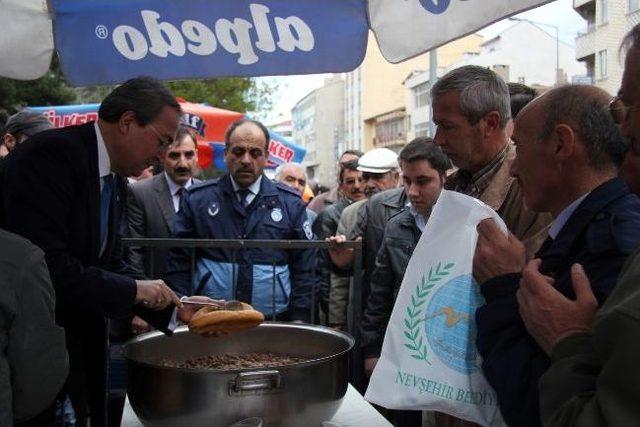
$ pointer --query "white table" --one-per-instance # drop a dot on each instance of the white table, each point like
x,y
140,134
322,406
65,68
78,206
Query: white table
x,y
354,412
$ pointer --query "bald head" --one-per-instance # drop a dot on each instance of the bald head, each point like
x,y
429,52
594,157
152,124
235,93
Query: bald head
x,y
585,110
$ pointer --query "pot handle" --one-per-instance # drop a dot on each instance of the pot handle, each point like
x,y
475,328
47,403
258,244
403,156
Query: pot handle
x,y
255,382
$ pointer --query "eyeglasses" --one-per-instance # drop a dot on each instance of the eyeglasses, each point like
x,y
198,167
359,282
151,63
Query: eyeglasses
x,y
164,142
619,110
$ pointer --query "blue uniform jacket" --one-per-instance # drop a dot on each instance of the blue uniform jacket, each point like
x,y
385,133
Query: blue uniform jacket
x,y
272,280
600,234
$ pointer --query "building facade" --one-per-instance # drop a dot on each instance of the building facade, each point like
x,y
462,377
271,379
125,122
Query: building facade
x,y
374,105
527,53
318,126
598,46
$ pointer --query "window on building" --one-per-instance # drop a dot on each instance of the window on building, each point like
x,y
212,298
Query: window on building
x,y
421,95
634,5
391,130
421,129
602,64
521,80
604,11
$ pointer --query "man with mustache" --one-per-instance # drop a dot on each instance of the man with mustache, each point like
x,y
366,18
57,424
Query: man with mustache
x,y
154,202
379,169
245,204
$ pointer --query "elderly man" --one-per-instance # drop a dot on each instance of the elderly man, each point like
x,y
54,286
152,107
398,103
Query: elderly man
x,y
293,175
471,107
593,379
244,204
64,191
153,202
569,152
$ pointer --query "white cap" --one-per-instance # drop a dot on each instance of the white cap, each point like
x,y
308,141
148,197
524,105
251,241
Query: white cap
x,y
378,160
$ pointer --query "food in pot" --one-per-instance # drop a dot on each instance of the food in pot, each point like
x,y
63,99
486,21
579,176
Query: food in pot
x,y
227,362
236,317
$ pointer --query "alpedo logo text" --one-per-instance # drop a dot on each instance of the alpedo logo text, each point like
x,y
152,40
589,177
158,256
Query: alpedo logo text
x,y
237,36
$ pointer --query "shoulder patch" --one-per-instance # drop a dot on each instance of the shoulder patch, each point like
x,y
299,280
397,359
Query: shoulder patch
x,y
203,184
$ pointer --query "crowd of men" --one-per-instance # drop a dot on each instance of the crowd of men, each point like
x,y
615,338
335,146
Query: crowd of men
x,y
562,169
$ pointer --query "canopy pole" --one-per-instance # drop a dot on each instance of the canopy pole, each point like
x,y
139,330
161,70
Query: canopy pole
x,y
433,77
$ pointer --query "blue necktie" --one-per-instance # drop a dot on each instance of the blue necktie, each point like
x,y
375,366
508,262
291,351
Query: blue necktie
x,y
243,193
105,202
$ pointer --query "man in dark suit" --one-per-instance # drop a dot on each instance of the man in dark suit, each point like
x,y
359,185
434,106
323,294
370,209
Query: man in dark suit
x,y
64,191
154,202
569,152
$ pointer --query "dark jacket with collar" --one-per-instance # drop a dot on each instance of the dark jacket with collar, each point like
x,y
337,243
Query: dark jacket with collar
x,y
326,223
370,225
150,214
600,234
266,278
401,236
51,196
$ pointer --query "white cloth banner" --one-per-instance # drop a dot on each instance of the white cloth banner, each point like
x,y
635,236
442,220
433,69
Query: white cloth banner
x,y
27,39
429,359
406,28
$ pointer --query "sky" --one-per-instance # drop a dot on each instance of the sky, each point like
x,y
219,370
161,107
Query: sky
x,y
290,89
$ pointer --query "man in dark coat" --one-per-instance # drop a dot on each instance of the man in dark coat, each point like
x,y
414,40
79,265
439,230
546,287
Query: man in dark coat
x,y
593,379
569,151
64,190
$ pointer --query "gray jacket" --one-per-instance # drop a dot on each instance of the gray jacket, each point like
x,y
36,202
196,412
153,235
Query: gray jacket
x,y
401,236
33,355
150,213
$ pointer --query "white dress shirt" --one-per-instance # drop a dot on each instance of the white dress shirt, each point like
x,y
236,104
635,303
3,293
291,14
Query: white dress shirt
x,y
104,163
174,189
420,220
254,189
561,220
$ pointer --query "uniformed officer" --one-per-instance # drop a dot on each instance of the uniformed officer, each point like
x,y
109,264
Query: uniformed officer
x,y
244,204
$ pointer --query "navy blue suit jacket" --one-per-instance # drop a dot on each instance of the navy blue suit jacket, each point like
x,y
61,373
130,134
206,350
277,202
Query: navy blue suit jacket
x,y
50,194
600,234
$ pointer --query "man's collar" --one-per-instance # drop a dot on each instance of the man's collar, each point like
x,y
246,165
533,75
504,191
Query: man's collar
x,y
104,163
420,220
564,216
173,186
254,188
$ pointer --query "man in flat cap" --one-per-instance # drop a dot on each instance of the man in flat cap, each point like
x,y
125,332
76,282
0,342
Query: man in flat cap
x,y
21,126
380,172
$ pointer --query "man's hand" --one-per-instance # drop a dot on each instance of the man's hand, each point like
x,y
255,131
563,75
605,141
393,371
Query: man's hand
x,y
340,255
547,314
155,294
139,326
496,253
186,311
369,365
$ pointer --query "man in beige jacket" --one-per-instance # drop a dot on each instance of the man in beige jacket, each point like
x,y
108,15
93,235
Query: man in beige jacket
x,y
472,111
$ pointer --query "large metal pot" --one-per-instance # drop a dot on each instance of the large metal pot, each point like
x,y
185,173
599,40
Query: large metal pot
x,y
303,394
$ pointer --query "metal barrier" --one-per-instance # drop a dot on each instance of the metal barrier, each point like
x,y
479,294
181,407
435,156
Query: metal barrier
x,y
357,360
